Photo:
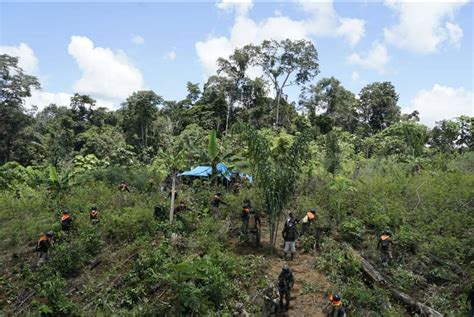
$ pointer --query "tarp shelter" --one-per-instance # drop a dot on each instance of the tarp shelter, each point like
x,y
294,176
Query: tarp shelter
x,y
206,171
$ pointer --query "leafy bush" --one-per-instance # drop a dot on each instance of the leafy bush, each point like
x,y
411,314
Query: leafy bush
x,y
57,304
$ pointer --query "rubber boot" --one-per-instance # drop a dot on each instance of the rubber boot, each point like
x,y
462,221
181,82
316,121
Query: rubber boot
x,y
292,255
284,256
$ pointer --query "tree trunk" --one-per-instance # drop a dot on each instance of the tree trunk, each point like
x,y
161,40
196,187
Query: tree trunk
x,y
173,191
376,277
278,108
276,233
227,118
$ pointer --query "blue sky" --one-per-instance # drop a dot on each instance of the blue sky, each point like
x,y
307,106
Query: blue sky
x,y
110,49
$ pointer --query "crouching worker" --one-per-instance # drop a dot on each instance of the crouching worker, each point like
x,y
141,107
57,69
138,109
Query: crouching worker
x,y
270,301
94,215
45,242
178,211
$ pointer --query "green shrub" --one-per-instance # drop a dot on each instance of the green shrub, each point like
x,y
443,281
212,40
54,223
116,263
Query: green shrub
x,y
57,303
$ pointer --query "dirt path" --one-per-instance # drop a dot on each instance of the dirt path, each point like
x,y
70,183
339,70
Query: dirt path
x,y
308,297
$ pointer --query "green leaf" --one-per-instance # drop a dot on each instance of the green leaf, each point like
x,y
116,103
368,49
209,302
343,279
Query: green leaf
x,y
213,150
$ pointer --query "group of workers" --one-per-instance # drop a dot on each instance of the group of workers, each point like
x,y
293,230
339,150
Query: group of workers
x,y
46,240
251,223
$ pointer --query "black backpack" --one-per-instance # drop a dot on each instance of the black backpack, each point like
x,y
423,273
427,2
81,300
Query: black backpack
x,y
283,282
385,244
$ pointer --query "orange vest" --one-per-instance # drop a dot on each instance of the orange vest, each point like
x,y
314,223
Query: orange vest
x,y
43,238
64,217
384,237
335,302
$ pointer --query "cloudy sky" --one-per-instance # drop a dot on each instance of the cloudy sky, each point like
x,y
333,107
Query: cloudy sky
x,y
110,49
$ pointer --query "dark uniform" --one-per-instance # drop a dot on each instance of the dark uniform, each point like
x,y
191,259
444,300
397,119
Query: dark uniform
x,y
66,221
470,302
385,245
94,215
215,202
335,307
270,300
123,187
289,235
45,242
285,284
179,209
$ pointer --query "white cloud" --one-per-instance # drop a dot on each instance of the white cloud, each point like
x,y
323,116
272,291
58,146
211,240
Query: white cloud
x,y
421,27
42,99
376,58
455,33
26,57
106,74
137,39
210,50
442,102
171,55
241,6
322,20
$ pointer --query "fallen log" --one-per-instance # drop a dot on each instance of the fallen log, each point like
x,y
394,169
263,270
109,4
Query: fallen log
x,y
377,278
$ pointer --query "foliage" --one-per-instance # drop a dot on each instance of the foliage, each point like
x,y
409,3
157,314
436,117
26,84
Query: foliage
x,y
276,169
379,108
57,303
15,86
286,63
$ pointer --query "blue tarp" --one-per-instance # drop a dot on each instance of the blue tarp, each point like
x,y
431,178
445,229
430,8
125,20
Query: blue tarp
x,y
206,171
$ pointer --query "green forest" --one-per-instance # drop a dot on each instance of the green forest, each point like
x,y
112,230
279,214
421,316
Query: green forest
x,y
362,165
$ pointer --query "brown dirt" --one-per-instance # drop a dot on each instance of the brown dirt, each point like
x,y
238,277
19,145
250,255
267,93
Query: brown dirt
x,y
304,303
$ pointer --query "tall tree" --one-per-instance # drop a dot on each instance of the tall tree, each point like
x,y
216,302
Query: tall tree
x,y
193,92
275,170
140,110
332,160
234,69
15,86
286,63
378,106
329,98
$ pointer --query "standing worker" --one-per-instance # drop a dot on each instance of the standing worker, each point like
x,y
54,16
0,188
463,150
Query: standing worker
x,y
285,284
335,307
385,245
66,221
215,202
289,235
245,217
307,221
254,226
45,242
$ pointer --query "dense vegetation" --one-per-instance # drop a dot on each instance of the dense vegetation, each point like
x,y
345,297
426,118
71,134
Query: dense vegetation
x,y
358,161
